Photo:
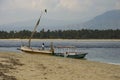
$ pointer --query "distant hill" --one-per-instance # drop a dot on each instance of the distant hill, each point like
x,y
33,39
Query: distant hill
x,y
50,24
107,20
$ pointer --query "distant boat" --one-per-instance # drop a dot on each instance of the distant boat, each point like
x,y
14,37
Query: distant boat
x,y
29,49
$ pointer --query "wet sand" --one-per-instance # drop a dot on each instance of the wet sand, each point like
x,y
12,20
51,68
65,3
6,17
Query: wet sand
x,y
24,66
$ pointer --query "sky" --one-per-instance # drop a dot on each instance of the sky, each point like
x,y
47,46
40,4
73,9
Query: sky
x,y
12,11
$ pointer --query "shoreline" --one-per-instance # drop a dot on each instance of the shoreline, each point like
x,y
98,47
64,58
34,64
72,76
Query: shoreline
x,y
65,39
26,66
62,57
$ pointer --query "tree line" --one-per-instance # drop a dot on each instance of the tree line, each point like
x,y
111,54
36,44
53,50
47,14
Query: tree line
x,y
63,34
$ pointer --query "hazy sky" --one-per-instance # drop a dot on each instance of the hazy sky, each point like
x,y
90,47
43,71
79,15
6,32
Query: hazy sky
x,y
68,10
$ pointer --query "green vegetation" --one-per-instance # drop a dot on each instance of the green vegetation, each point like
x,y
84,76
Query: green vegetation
x,y
65,34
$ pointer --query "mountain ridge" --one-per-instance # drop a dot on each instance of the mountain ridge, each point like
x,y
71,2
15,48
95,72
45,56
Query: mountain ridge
x,y
107,20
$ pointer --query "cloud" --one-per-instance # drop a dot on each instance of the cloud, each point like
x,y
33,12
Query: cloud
x,y
57,9
74,5
117,5
86,5
26,4
70,5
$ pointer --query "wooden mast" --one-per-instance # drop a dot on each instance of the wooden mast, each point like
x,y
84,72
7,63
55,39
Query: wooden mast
x,y
29,42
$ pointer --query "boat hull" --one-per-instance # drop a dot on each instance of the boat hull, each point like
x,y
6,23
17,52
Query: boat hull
x,y
77,56
31,50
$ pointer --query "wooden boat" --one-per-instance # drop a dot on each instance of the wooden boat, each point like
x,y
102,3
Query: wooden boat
x,y
29,49
70,52
33,50
77,55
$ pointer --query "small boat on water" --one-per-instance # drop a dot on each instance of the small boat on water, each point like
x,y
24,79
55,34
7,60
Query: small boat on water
x,y
29,49
77,55
33,50
69,52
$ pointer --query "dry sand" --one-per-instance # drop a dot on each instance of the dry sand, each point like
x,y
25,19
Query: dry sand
x,y
24,66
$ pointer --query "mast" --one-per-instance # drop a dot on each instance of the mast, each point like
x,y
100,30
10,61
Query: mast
x,y
29,42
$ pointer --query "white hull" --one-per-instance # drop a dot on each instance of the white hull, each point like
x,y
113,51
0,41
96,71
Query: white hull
x,y
31,50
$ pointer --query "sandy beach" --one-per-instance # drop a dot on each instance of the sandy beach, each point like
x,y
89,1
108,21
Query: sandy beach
x,y
24,66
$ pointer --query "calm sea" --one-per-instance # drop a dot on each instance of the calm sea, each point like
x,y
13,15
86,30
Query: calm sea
x,y
101,51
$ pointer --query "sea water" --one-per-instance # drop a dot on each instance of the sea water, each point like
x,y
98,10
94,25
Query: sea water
x,y
106,51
